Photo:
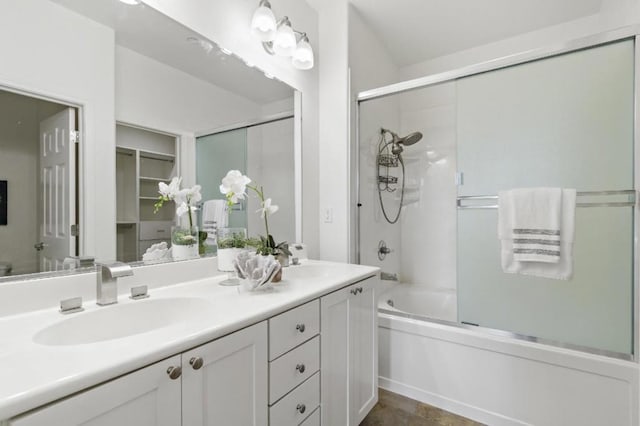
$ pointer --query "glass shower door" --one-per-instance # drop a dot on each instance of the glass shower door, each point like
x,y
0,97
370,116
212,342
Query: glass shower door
x,y
565,121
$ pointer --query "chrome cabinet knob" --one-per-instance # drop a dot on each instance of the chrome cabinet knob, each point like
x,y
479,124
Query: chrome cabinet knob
x,y
174,372
196,363
354,291
301,408
359,289
300,328
300,368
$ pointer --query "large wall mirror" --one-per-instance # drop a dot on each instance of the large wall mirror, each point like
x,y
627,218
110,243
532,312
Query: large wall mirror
x,y
175,96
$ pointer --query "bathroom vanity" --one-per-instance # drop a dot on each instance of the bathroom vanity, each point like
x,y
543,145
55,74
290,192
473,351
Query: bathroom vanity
x,y
196,353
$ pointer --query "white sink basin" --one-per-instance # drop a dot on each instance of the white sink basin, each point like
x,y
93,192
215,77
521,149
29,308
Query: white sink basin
x,y
122,320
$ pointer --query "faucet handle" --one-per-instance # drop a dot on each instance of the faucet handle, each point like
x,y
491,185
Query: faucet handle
x,y
139,292
70,306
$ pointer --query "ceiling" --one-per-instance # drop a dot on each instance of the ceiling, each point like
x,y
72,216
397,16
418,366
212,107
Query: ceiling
x,y
152,34
417,30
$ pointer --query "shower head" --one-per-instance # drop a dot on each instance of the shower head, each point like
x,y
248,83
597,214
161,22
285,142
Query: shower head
x,y
397,141
410,139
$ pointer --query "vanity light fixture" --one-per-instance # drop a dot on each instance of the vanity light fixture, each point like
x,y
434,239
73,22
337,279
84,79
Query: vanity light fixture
x,y
279,38
303,54
131,2
285,41
263,22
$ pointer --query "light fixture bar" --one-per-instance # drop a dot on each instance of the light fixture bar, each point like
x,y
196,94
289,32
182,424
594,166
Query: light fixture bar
x,y
278,37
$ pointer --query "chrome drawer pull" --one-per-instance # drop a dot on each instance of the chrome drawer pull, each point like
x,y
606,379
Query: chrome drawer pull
x,y
300,328
196,363
300,368
174,372
301,408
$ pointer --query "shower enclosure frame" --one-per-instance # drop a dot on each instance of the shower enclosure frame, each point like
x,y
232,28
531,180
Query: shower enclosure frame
x,y
626,33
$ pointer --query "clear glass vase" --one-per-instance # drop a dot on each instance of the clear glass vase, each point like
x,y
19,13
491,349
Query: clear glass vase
x,y
231,242
184,242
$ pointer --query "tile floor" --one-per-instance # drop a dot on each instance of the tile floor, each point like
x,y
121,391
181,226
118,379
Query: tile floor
x,y
396,410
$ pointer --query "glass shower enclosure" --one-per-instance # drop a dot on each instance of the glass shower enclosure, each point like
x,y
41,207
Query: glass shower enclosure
x,y
564,120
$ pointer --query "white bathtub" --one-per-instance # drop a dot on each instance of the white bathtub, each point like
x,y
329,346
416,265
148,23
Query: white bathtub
x,y
496,379
432,304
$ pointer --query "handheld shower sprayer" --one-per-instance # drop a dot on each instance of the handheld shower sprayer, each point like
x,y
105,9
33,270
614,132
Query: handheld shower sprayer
x,y
396,145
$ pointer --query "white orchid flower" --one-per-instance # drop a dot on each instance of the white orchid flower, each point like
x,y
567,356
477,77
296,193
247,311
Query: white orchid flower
x,y
183,208
188,195
194,194
170,191
267,208
234,185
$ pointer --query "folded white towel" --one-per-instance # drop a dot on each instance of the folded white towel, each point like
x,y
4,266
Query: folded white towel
x,y
530,217
526,246
214,216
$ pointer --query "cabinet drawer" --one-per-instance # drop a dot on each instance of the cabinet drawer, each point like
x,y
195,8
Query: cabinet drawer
x,y
293,368
155,230
313,419
289,329
296,407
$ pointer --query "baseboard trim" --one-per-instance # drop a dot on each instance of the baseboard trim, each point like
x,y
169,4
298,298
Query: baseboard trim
x,y
448,404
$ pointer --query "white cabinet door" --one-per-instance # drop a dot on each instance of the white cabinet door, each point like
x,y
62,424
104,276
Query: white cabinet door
x,y
225,382
334,357
349,353
147,397
364,350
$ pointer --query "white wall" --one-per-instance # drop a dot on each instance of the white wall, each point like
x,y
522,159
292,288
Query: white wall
x,y
276,107
334,176
227,23
156,96
50,51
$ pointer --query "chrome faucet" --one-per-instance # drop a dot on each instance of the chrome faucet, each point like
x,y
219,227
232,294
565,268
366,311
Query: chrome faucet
x,y
107,285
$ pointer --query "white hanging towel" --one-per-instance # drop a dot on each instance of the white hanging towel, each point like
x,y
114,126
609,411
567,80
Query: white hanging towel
x,y
214,216
536,228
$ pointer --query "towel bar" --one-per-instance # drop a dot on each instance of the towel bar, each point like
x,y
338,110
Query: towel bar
x,y
631,202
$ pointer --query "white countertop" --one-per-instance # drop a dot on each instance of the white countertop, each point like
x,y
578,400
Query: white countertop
x,y
33,374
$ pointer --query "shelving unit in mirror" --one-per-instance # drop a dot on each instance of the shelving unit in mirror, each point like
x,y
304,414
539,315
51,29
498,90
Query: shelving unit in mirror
x,y
143,159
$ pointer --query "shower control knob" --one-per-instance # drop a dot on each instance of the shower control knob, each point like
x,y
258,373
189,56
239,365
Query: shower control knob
x,y
196,363
301,408
300,328
174,372
300,368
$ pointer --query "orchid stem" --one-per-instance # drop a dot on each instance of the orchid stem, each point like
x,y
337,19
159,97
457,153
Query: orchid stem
x,y
260,193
